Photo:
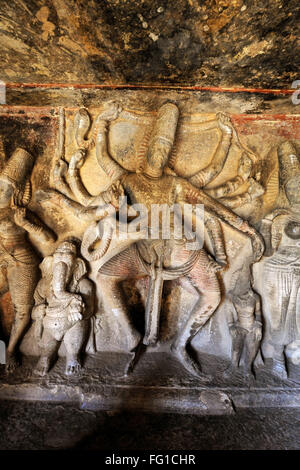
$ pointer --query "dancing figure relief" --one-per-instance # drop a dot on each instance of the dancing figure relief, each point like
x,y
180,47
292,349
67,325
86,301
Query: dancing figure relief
x,y
157,259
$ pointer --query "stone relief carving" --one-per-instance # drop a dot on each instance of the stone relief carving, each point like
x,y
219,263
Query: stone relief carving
x,y
19,261
64,302
237,291
157,259
281,228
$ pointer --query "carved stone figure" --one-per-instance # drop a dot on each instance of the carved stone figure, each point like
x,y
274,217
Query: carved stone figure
x,y
281,272
246,325
19,262
158,259
64,302
248,171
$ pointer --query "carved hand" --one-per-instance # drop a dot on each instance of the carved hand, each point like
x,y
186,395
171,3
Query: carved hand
x,y
75,316
20,216
257,242
257,330
222,261
77,159
60,170
245,167
110,112
255,190
225,123
76,308
113,194
214,266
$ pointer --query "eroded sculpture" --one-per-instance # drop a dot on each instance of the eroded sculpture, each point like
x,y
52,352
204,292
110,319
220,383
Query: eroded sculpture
x,y
19,261
64,303
281,273
157,259
262,309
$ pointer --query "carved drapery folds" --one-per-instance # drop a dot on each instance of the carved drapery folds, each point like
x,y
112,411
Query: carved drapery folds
x,y
84,270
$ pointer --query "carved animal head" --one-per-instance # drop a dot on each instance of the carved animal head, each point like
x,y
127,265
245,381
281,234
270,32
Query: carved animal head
x,y
66,253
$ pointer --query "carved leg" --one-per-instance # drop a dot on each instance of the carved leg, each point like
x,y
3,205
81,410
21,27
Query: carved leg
x,y
238,337
54,198
22,281
252,343
49,347
125,265
3,289
207,285
275,306
114,302
74,340
274,359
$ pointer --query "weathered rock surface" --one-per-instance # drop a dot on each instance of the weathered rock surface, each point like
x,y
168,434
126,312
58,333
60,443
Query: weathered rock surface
x,y
212,42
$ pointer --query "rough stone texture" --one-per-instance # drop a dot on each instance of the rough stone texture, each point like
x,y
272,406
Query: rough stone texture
x,y
211,42
240,102
46,426
158,384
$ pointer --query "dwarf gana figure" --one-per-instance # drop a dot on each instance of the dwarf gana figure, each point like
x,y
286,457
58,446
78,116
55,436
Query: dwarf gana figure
x,y
246,325
19,262
64,302
281,272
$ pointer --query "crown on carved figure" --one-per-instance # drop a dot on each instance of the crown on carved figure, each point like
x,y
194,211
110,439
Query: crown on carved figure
x,y
17,167
166,123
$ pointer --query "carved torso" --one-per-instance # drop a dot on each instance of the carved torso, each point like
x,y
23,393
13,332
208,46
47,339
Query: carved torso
x,y
14,246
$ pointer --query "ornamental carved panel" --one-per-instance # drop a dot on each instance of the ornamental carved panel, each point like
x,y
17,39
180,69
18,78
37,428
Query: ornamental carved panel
x,y
150,244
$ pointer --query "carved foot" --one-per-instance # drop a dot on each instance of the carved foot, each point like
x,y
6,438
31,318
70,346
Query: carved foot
x,y
190,364
278,369
73,367
42,367
249,378
230,371
11,363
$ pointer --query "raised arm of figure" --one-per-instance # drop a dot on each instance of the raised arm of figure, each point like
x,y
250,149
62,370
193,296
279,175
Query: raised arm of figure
x,y
110,167
215,233
59,175
271,229
79,190
33,225
211,171
187,193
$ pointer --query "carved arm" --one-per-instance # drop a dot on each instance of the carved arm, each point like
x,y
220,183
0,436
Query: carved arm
x,y
210,172
188,194
271,229
215,232
34,227
111,168
60,279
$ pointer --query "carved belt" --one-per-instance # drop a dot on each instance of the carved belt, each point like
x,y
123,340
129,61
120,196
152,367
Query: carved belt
x,y
153,305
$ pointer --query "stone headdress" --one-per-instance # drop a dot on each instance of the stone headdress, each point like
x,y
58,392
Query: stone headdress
x,y
166,124
16,173
164,130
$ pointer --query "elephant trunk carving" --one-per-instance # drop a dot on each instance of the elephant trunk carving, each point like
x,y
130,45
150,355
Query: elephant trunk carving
x,y
97,231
